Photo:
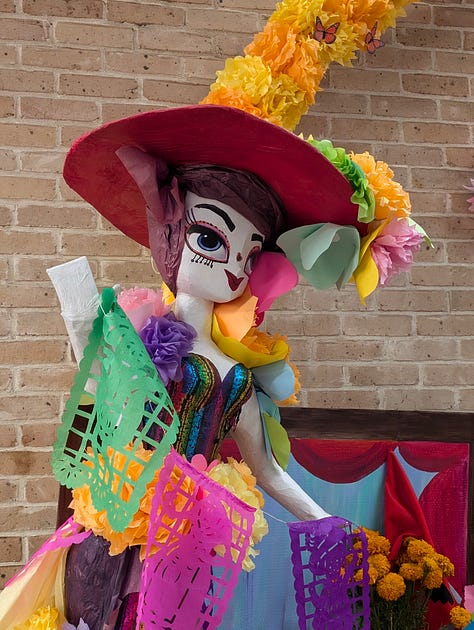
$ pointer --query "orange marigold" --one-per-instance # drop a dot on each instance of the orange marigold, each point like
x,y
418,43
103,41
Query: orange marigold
x,y
275,45
411,571
380,563
391,587
460,617
444,563
434,578
417,549
377,543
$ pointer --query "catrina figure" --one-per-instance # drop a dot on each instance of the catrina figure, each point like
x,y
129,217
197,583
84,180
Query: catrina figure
x,y
231,207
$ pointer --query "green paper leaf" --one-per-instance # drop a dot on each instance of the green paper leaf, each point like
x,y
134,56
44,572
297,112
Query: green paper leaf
x,y
279,440
132,409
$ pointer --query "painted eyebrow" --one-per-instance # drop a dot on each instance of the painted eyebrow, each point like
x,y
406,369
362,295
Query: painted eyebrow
x,y
257,237
222,213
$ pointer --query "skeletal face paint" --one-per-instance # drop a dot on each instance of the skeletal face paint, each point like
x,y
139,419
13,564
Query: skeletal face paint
x,y
221,248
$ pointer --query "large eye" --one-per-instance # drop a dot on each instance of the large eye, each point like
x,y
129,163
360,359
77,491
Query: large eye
x,y
207,242
252,260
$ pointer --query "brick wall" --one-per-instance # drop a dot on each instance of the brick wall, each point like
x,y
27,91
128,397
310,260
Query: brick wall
x,y
68,65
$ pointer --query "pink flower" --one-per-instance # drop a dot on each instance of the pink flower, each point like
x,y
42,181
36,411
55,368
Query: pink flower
x,y
139,304
392,250
470,201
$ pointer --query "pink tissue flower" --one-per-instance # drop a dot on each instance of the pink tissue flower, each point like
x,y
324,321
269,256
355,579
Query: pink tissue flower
x,y
393,249
139,304
470,201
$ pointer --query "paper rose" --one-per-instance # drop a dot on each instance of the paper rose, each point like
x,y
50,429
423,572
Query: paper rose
x,y
470,201
139,304
393,249
167,341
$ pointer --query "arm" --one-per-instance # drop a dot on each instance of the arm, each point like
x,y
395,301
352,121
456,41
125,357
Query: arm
x,y
276,482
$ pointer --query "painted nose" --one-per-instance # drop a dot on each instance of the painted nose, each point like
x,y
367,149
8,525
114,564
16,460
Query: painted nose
x,y
234,281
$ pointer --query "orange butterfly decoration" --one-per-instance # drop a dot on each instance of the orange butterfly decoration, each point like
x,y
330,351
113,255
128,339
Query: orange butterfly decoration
x,y
371,41
326,35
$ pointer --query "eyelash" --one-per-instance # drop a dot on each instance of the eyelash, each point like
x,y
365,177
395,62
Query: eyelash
x,y
196,234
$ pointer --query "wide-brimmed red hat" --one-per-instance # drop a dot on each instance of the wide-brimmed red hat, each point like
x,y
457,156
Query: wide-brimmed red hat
x,y
310,187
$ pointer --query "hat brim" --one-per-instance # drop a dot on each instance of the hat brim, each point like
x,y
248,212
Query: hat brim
x,y
310,187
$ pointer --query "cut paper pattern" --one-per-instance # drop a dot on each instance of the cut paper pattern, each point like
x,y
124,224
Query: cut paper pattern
x,y
188,580
101,447
326,556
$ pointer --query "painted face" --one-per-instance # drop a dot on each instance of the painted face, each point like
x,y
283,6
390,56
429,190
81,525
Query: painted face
x,y
220,250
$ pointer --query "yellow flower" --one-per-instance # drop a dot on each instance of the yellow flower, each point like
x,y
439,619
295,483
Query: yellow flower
x,y
275,45
238,479
377,543
390,198
434,578
380,564
444,563
248,74
306,69
284,101
460,617
45,618
391,587
416,549
299,15
232,98
411,571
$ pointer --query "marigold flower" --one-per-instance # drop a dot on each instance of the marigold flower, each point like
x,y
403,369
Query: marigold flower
x,y
275,45
391,587
444,563
380,563
416,549
232,98
377,543
434,577
390,198
411,571
248,74
460,617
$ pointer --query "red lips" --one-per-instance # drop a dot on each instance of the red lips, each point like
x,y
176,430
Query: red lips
x,y
233,281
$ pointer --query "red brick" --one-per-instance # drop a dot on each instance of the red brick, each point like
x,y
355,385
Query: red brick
x,y
436,85
64,8
156,38
382,375
39,324
34,188
435,399
38,434
343,399
28,352
171,92
41,162
7,106
26,295
449,326
344,350
421,349
10,549
222,20
19,29
99,86
426,38
403,106
61,217
322,376
8,436
343,128
345,79
14,242
105,244
59,109
7,54
447,374
436,133
145,13
462,17
7,160
61,57
27,518
377,325
460,252
44,492
104,36
141,62
37,378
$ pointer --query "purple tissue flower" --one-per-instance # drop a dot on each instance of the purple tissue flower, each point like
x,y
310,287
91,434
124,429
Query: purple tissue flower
x,y
167,341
